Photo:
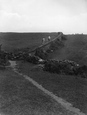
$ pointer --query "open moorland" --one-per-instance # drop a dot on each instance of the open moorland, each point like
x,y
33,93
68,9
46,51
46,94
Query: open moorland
x,y
20,96
13,41
75,47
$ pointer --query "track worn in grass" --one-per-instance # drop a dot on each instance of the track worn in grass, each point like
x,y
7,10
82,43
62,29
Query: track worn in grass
x,y
70,88
19,97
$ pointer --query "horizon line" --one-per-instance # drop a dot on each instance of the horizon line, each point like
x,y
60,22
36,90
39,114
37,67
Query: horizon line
x,y
40,32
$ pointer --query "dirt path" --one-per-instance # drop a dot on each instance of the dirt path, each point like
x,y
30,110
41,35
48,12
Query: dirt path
x,y
66,105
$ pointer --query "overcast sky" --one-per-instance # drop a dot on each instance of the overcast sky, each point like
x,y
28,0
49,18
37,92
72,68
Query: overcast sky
x,y
68,16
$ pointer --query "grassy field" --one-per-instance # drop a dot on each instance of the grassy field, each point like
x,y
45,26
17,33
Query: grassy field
x,y
19,97
71,88
11,41
75,49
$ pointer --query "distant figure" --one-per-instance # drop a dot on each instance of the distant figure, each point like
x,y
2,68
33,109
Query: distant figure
x,y
49,38
29,54
0,47
43,40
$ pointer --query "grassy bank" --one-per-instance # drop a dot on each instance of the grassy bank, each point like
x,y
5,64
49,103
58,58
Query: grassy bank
x,y
19,97
68,87
75,49
11,41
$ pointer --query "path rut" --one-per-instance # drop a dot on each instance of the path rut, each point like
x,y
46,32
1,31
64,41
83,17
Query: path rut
x,y
65,104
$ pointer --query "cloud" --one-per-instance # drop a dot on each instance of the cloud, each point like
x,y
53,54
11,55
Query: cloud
x,y
74,7
76,24
8,20
43,15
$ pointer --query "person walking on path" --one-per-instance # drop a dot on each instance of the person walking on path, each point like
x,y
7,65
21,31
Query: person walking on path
x,y
49,38
43,40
